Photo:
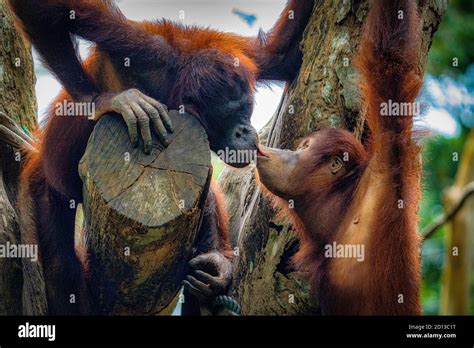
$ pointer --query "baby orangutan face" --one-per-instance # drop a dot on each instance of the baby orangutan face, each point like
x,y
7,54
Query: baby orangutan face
x,y
275,168
321,160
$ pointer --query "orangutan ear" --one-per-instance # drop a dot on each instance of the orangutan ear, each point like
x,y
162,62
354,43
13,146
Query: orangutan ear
x,y
336,164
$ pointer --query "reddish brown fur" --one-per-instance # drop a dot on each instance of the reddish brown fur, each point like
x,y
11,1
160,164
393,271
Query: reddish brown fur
x,y
101,22
174,64
360,204
222,221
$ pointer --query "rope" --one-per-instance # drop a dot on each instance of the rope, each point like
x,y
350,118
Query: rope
x,y
227,302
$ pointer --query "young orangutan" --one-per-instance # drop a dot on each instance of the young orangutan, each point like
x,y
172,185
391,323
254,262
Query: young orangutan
x,y
349,197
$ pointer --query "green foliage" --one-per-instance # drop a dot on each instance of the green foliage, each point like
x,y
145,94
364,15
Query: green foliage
x,y
439,170
454,39
432,265
440,167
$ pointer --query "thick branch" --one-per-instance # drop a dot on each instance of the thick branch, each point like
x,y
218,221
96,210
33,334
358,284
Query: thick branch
x,y
17,99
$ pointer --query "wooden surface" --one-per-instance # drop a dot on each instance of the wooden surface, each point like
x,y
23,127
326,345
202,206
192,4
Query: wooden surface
x,y
17,100
142,214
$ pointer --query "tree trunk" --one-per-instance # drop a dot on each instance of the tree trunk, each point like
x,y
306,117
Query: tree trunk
x,y
456,283
142,214
17,99
324,95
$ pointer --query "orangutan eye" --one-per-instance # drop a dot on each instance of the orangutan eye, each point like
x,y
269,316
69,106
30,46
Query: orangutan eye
x,y
304,145
336,164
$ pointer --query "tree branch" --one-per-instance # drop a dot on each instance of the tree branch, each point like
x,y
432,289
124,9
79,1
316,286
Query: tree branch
x,y
442,219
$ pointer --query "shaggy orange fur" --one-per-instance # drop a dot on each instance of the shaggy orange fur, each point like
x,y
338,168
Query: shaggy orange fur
x,y
350,196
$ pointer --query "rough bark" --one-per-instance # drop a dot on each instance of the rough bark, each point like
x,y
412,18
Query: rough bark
x,y
17,99
142,214
325,94
457,272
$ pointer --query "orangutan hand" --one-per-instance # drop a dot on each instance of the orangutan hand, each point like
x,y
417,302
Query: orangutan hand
x,y
209,276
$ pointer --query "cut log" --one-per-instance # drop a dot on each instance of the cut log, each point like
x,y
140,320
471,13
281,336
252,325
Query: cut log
x,y
142,214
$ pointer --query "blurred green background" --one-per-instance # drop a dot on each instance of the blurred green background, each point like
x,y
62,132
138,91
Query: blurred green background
x,y
454,86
